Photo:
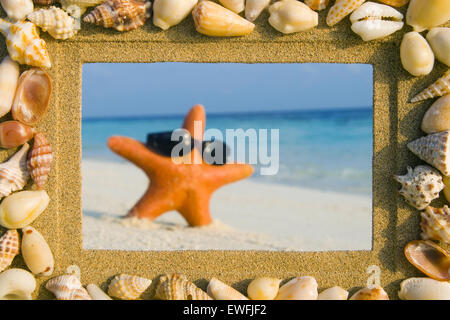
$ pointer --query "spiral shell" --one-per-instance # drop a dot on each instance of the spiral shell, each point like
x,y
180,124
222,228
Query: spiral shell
x,y
128,287
67,287
55,21
40,160
14,173
435,224
317,5
439,88
9,248
177,287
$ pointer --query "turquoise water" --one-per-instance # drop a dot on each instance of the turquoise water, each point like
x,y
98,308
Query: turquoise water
x,y
327,149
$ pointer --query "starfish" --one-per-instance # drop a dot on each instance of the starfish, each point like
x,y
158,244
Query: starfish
x,y
174,184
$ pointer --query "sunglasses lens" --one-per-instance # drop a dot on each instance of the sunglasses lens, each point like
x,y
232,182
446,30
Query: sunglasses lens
x,y
164,142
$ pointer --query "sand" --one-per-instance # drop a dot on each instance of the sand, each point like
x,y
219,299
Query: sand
x,y
248,215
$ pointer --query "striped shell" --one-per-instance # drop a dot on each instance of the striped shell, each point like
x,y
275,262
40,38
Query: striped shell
x,y
55,21
435,224
14,173
439,88
67,287
341,9
317,4
128,287
177,287
9,248
394,3
40,160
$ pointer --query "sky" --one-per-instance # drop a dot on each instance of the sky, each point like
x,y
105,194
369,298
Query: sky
x,y
169,88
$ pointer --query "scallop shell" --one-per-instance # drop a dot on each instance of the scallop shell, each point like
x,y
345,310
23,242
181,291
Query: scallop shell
x,y
439,40
16,284
32,97
420,186
395,3
439,88
234,5
40,160
374,21
426,14
341,9
429,258
24,44
416,55
79,5
288,16
67,287
437,117
435,224
36,252
263,288
212,19
300,288
45,2
14,134
177,287
334,293
370,294
22,208
434,150
9,248
14,173
253,8
17,9
55,21
167,13
221,291
424,289
122,15
96,293
317,5
128,287
9,76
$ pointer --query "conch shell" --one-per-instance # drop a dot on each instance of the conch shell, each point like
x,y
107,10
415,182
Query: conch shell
x,y
300,288
334,293
439,40
263,288
36,252
24,44
424,289
122,15
67,287
177,287
437,117
429,258
127,287
167,13
96,293
370,294
221,291
55,21
288,16
76,8
14,134
435,224
426,14
234,5
17,9
416,55
40,160
9,76
439,88
395,3
341,9
9,248
16,284
317,5
253,8
420,186
14,173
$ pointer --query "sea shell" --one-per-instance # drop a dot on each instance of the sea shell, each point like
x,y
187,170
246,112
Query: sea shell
x,y
370,294
177,287
253,8
9,248
429,258
22,208
439,88
16,284
317,5
55,21
14,172
424,289
40,160
212,19
221,291
32,97
434,150
395,3
420,186
128,287
234,5
263,288
435,224
67,287
45,2
416,54
288,16
167,13
17,9
80,5
426,14
96,293
341,9
374,21
14,134
300,288
9,76
36,252
439,40
122,15
24,44
334,293
437,117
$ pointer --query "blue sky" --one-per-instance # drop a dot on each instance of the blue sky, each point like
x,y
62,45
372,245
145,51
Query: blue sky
x,y
127,90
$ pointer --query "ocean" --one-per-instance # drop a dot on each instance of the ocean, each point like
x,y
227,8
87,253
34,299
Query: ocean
x,y
322,149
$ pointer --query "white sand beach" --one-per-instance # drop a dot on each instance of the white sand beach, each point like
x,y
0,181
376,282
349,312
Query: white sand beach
x,y
247,215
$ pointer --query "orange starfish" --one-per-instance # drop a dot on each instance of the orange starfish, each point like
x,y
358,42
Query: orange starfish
x,y
175,185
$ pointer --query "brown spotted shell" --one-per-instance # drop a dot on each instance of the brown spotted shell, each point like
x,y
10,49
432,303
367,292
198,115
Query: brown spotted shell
x,y
177,287
67,287
9,248
435,224
40,160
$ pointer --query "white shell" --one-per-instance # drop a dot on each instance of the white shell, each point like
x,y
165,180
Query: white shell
x,y
128,287
263,288
17,9
67,287
9,77
234,5
16,284
14,172
55,21
36,252
253,8
167,13
424,289
416,54
334,293
221,291
300,288
96,293
426,14
439,40
370,22
289,16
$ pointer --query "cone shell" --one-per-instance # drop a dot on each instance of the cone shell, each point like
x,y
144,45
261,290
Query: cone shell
x,y
341,9
212,19
24,44
78,5
167,13
420,186
434,150
437,117
263,288
370,294
22,208
55,21
439,40
177,287
221,291
416,54
122,15
435,224
14,134
96,293
335,293
32,97
17,9
300,288
288,16
16,284
317,5
395,3
9,248
426,14
67,287
36,252
40,160
439,88
9,77
429,258
253,8
234,5
128,287
14,172
424,289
